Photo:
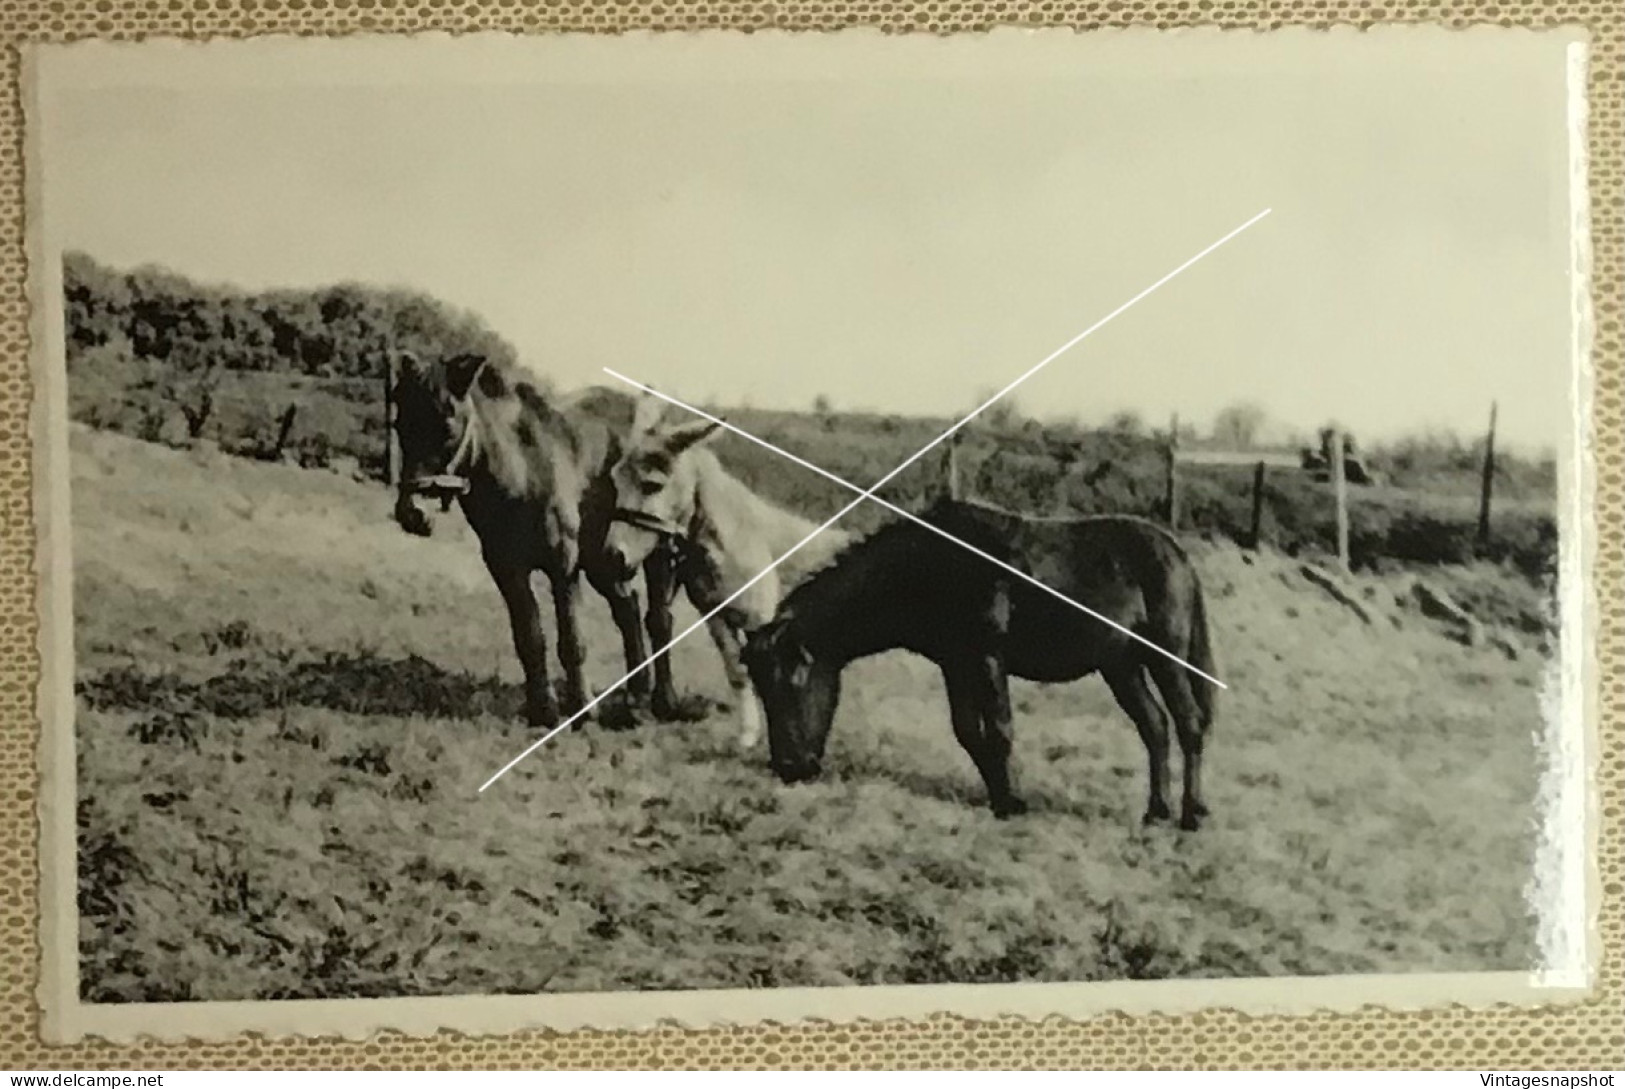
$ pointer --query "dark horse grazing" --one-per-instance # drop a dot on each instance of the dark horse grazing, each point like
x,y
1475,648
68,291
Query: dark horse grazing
x,y
531,476
904,587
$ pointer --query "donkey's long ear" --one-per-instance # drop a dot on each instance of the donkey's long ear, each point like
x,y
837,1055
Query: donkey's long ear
x,y
461,373
646,415
683,436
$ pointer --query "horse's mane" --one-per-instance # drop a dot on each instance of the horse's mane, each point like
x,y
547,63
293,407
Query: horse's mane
x,y
500,375
512,378
944,511
890,531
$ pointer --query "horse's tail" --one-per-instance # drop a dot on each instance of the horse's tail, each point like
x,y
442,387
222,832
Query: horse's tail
x,y
1203,690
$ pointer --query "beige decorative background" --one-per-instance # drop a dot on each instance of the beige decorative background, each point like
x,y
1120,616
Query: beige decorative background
x,y
1591,1035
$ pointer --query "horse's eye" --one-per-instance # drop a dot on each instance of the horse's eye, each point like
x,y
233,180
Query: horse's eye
x,y
651,487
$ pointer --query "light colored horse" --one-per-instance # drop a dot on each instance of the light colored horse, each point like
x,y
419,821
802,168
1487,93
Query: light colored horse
x,y
670,486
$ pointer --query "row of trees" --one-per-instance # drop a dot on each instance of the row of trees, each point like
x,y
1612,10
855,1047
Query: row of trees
x,y
268,374
344,331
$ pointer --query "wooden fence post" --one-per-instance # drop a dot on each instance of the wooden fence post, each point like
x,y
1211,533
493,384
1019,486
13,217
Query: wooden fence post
x,y
1258,506
1172,497
283,430
1488,484
950,466
1340,494
392,452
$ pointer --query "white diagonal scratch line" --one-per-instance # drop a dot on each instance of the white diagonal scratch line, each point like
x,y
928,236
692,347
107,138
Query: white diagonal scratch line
x,y
917,520
869,493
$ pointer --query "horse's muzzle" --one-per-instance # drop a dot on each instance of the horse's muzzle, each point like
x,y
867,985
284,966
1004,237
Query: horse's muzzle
x,y
411,517
410,501
628,545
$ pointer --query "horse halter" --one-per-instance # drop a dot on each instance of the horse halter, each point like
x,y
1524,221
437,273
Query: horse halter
x,y
649,523
451,481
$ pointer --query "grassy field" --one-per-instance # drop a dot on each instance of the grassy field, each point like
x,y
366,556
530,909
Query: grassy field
x,y
286,706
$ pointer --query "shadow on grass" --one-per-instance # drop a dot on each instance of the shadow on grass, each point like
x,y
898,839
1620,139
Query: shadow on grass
x,y
967,789
252,676
353,682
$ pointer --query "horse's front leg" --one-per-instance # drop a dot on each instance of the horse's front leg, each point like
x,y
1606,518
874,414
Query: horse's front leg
x,y
730,645
529,641
998,737
622,596
979,703
661,582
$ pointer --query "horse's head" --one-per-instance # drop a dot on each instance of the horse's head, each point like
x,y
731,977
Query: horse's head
x,y
434,424
655,483
799,693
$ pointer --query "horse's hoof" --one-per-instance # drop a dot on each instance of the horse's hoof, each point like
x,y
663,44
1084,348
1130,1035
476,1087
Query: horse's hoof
x,y
689,708
570,703
1155,815
1189,822
1009,807
542,714
616,713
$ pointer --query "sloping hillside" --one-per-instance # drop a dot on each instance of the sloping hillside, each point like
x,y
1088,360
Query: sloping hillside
x,y
287,705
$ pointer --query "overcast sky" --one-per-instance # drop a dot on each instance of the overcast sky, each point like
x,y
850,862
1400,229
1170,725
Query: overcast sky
x,y
897,225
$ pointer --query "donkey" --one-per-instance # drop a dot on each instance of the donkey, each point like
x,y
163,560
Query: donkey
x,y
670,486
905,587
532,478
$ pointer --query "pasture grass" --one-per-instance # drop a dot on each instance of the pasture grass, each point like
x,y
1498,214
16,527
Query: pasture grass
x,y
286,706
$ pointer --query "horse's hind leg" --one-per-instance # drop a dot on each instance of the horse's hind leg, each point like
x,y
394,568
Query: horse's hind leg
x,y
1175,683
1132,688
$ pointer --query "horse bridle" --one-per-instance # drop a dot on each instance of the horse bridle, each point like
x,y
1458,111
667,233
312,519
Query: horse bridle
x,y
649,523
452,481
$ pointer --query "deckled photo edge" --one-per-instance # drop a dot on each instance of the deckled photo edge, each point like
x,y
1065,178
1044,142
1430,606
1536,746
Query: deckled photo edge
x,y
53,563
66,1019
95,60
1567,882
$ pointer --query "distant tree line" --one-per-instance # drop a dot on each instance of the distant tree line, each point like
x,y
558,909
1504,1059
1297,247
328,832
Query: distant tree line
x,y
343,331
288,373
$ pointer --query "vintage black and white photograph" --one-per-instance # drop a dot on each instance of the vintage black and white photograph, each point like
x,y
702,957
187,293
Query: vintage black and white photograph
x,y
751,526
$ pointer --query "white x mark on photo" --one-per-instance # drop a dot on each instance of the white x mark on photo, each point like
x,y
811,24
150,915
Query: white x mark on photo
x,y
869,493
912,517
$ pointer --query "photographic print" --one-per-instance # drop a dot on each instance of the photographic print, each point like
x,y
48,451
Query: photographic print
x,y
710,527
